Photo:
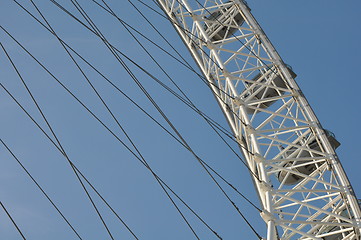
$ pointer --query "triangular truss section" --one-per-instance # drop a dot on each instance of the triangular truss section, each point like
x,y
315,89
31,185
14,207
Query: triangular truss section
x,y
303,190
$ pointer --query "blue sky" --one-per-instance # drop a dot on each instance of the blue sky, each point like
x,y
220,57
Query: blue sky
x,y
319,39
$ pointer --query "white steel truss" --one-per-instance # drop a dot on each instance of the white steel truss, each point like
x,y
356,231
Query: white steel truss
x,y
302,186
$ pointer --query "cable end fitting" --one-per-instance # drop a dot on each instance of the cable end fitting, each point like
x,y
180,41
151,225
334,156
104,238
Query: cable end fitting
x,y
238,101
265,186
267,216
258,158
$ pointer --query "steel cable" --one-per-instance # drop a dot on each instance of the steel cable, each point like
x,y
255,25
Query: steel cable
x,y
58,142
41,189
12,220
146,93
107,128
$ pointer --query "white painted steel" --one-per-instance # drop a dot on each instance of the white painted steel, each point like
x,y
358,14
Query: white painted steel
x,y
301,184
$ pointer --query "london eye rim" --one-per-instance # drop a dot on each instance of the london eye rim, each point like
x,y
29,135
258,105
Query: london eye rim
x,y
280,48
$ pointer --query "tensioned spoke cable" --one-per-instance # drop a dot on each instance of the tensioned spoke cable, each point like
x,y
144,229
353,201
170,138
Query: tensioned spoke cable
x,y
227,145
58,142
119,91
190,149
184,61
233,187
204,80
198,159
189,101
95,29
95,190
136,103
130,98
217,87
183,202
193,105
129,59
12,220
168,76
221,128
115,119
210,83
41,189
59,149
102,75
204,118
43,17
180,137
55,78
153,9
90,184
118,51
87,109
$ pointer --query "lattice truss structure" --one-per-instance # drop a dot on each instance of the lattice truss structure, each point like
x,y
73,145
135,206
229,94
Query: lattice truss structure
x,y
303,189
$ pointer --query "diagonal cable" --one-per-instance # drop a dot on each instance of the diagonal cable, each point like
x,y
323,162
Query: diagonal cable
x,y
146,93
40,188
58,141
12,220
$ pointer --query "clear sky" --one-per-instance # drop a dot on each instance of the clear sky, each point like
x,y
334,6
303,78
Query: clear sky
x,y
319,39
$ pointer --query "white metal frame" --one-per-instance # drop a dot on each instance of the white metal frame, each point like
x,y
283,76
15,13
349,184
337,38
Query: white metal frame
x,y
277,130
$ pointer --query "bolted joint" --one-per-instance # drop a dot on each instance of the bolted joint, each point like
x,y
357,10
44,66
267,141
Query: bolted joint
x,y
267,216
331,159
258,158
315,125
210,45
250,129
265,186
238,101
195,17
358,223
258,32
296,92
225,72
